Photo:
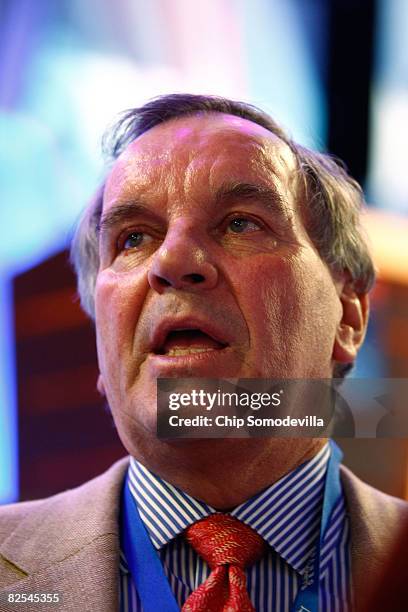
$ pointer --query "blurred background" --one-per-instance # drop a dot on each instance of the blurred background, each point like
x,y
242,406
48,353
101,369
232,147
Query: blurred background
x,y
333,72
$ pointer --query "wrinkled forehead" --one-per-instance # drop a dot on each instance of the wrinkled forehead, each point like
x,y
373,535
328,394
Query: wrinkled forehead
x,y
197,141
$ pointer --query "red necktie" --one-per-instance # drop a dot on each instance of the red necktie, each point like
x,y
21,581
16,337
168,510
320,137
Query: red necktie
x,y
228,546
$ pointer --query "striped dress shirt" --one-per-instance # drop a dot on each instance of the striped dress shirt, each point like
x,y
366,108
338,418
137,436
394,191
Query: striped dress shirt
x,y
287,515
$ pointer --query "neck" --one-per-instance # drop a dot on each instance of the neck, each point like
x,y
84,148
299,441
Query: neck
x,y
225,473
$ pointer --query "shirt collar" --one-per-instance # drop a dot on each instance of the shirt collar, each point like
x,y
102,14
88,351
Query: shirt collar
x,y
286,514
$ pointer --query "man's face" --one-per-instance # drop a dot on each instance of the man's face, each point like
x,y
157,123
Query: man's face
x,y
206,267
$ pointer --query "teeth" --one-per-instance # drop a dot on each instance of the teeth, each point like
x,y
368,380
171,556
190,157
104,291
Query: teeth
x,y
187,351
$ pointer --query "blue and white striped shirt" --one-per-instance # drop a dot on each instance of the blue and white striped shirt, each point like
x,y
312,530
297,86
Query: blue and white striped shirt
x,y
287,515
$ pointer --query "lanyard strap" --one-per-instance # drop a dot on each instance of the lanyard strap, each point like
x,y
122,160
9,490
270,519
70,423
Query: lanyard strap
x,y
307,599
147,570
145,566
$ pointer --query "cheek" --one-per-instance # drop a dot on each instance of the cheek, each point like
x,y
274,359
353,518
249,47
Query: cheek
x,y
264,283
118,302
265,287
281,297
287,302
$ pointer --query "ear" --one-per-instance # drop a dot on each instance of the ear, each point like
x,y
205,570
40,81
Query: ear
x,y
352,326
100,385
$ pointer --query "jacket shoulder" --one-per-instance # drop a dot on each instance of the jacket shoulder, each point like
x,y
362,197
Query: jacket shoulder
x,y
12,514
67,510
376,520
372,501
67,543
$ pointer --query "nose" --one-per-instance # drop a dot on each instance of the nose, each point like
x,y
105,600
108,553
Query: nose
x,y
181,263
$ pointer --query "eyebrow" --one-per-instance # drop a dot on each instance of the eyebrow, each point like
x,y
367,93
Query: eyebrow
x,y
121,214
267,196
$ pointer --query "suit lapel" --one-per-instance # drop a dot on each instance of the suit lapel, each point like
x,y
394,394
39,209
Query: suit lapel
x,y
85,581
69,544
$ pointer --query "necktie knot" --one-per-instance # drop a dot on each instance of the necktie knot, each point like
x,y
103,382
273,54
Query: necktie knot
x,y
221,539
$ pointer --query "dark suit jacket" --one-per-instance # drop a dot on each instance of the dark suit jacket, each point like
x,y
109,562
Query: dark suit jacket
x,y
69,543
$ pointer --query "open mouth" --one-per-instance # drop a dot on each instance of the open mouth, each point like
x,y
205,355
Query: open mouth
x,y
188,341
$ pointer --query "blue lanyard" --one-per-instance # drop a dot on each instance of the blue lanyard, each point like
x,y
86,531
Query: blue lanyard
x,y
144,563
307,599
147,570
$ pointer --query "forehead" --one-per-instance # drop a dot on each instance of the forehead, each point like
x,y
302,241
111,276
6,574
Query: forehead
x,y
205,146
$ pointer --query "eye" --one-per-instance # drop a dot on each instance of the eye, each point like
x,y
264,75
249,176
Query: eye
x,y
133,240
240,225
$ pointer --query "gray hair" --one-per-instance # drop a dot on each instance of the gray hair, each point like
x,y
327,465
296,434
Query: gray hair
x,y
333,199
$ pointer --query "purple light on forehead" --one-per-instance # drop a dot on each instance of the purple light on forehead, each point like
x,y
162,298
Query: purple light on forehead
x,y
182,133
232,120
244,125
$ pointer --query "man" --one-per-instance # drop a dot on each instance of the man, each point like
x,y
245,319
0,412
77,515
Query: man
x,y
217,248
